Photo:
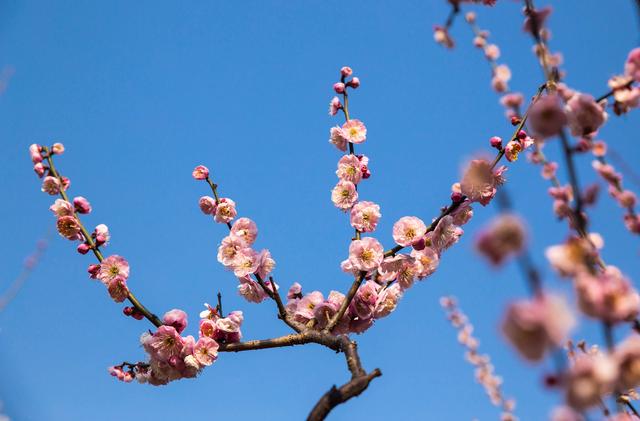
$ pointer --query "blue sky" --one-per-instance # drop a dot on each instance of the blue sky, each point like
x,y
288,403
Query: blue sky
x,y
141,92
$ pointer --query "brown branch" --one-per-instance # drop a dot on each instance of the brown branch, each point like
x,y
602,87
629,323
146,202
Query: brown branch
x,y
335,396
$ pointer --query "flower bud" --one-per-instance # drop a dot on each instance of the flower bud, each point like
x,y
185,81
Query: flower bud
x,y
354,83
200,172
346,71
339,87
81,205
456,197
57,148
39,169
93,271
84,248
496,142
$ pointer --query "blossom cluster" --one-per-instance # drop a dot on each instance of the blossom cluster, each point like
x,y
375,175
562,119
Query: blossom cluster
x,y
172,356
625,95
484,369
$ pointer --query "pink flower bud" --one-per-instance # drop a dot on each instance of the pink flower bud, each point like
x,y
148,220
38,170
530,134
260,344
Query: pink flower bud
x,y
84,248
34,151
65,183
39,169
354,83
200,172
365,171
128,311
456,197
57,148
419,244
93,271
100,239
338,87
51,185
496,142
522,135
346,71
515,120
81,205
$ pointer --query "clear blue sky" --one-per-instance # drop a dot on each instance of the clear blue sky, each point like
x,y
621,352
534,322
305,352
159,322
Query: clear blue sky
x,y
140,92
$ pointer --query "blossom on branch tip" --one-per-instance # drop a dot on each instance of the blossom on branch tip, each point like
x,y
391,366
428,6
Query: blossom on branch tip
x,y
200,172
442,37
346,71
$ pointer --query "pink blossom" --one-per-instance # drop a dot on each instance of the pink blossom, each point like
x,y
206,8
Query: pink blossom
x,y
36,153
584,115
334,106
354,131
349,169
632,65
463,213
164,343
354,83
401,268
245,263
206,351
445,234
265,264
346,71
589,379
427,260
512,100
387,301
632,222
112,267
295,291
207,205
627,356
69,227
118,289
365,254
246,230
344,195
365,216
339,87
200,172
569,258
39,169
480,182
547,117
358,324
536,326
327,309
492,52
51,185
176,318
407,230
608,296
501,77
505,236
564,413
81,205
511,151
364,302
57,148
337,138
61,208
250,290
549,170
442,37
607,172
102,235
224,329
225,211
305,309
229,250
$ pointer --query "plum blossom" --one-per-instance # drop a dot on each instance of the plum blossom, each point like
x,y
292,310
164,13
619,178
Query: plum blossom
x,y
354,131
501,77
547,117
327,309
69,227
225,211
350,168
305,307
118,289
407,230
207,205
589,379
387,301
251,291
445,234
480,181
337,138
334,106
51,185
584,115
57,148
176,318
365,254
505,236
102,235
246,230
402,268
81,205
223,329
245,263
570,258
344,195
230,249
442,37
206,351
627,356
536,326
164,343
427,260
61,208
265,264
632,65
112,267
36,153
365,216
200,172
608,296
364,302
